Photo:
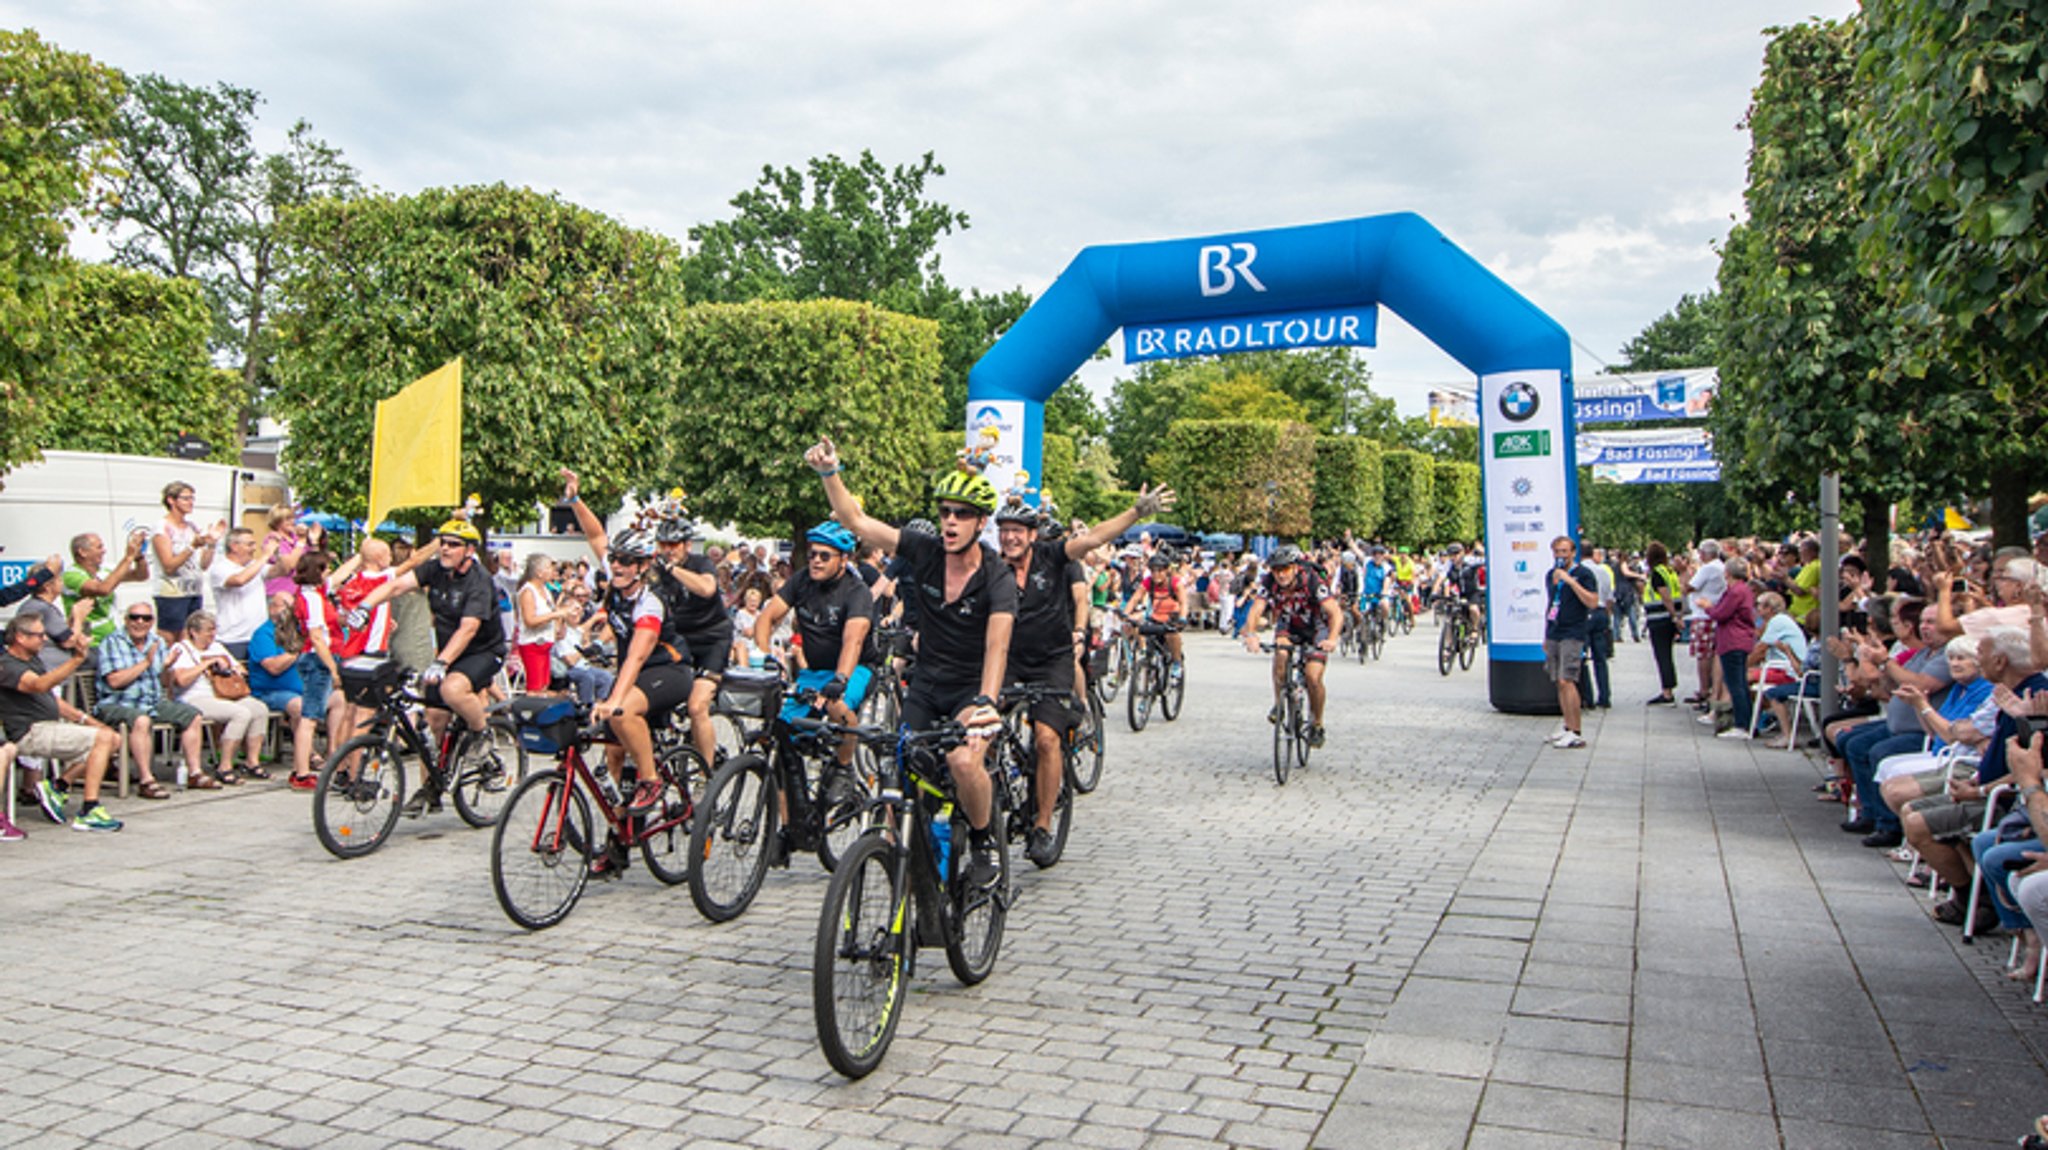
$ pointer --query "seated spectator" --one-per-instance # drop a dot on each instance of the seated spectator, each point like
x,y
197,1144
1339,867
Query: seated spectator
x,y
1779,657
2027,877
237,581
199,664
87,578
132,699
9,833
1922,664
274,653
1956,731
573,650
43,726
1935,824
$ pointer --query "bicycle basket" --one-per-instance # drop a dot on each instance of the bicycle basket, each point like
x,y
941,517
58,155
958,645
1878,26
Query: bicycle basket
x,y
371,686
547,726
750,694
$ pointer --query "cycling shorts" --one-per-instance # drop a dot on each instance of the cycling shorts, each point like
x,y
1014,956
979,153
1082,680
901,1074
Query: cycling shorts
x,y
927,704
479,668
1053,713
1305,637
857,685
665,687
710,651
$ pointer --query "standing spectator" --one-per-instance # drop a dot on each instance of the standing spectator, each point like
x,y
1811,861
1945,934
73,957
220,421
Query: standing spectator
x,y
284,542
412,623
505,585
1733,615
1573,595
179,555
320,660
541,615
85,578
1703,590
1663,603
205,676
1599,636
238,600
1628,596
274,653
132,699
43,726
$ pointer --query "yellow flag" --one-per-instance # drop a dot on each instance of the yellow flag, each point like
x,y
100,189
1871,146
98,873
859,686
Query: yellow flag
x,y
1954,520
416,456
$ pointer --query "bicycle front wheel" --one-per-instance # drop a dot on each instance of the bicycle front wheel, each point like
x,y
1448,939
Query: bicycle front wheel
x,y
729,844
1138,703
1303,723
975,932
1468,649
486,769
1111,680
540,851
1283,738
1446,647
860,965
355,802
1086,759
1171,689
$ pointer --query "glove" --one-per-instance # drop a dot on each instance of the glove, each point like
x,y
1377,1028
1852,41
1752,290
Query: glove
x,y
356,619
435,672
834,689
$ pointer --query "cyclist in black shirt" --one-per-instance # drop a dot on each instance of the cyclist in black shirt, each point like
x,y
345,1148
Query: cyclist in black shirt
x,y
1304,613
835,618
965,608
1051,609
469,639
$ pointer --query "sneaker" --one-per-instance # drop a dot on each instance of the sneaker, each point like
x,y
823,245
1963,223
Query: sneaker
x,y
1038,847
423,800
983,869
1707,719
305,782
646,797
1736,733
779,848
1315,735
1660,701
1173,672
1570,740
51,800
9,833
610,862
1559,732
95,818
1884,839
1273,716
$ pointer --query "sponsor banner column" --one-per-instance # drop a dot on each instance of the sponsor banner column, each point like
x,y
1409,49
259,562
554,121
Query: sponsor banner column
x,y
1524,452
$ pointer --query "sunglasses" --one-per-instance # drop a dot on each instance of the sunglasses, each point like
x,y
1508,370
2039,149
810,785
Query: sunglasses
x,y
141,618
953,511
823,556
453,541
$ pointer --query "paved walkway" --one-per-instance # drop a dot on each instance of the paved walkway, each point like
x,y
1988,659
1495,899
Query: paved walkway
x,y
1441,934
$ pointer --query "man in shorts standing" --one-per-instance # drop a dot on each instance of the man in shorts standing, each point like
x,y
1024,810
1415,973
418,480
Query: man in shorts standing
x,y
1566,629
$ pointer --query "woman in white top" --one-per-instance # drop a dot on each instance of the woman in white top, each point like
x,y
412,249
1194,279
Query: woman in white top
x,y
197,662
539,614
179,555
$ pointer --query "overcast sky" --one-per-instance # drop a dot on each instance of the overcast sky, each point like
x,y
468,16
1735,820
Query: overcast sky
x,y
1589,152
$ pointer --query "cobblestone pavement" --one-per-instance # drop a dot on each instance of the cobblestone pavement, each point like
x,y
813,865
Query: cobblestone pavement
x,y
1440,934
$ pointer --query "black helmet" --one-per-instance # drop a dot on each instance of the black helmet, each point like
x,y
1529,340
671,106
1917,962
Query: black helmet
x,y
631,546
922,527
1051,528
677,530
1163,557
1285,555
1017,513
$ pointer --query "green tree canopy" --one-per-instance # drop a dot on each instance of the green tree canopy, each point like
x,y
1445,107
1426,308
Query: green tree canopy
x,y
1245,395
1454,500
1689,335
565,320
1330,385
56,119
1408,480
1348,490
1241,475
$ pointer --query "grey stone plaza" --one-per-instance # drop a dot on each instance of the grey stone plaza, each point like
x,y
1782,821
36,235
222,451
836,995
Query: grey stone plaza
x,y
1442,933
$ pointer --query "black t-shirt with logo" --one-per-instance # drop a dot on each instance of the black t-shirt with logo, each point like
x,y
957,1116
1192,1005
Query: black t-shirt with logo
x,y
822,610
696,616
453,597
1045,606
951,636
1567,617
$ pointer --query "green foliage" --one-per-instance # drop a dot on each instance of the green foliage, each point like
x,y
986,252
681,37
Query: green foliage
x,y
1057,467
1349,493
1689,335
1454,500
1072,411
56,114
1630,515
1409,484
1245,395
1330,385
565,320
134,373
1241,475
759,382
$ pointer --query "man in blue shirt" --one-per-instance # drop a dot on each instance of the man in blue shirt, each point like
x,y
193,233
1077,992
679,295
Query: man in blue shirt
x,y
1566,627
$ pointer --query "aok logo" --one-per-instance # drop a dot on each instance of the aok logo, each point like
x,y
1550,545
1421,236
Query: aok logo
x,y
1520,444
1220,272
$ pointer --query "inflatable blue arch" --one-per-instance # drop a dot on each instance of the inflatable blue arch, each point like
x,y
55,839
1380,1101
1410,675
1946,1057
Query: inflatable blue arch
x,y
1317,285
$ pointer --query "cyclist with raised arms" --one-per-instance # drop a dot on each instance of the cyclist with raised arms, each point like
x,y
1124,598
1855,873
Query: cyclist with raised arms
x,y
1043,643
1304,612
835,615
965,607
469,639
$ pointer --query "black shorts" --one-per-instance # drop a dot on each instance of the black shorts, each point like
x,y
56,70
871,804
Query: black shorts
x,y
710,651
1054,713
479,667
927,704
1303,637
666,688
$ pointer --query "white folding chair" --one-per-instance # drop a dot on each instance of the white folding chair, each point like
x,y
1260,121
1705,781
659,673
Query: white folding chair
x,y
1977,874
1773,661
1801,702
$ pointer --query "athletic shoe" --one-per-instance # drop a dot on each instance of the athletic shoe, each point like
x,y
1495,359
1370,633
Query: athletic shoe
x,y
1736,733
610,862
51,800
95,818
305,782
1038,847
1315,735
1660,701
1570,740
423,800
1707,720
9,833
1273,716
982,867
1884,839
1560,732
646,797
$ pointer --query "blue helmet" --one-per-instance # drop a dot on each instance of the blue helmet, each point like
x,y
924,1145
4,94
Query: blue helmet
x,y
833,535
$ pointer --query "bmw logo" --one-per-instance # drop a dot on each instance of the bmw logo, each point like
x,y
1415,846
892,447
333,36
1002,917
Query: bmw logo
x,y
1519,401
1521,486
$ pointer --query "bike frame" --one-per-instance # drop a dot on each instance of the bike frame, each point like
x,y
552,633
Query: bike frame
x,y
626,832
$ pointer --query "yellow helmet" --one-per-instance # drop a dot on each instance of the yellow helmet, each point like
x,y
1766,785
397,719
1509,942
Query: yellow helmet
x,y
461,529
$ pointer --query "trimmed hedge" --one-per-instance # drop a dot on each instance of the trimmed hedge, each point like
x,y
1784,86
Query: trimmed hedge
x,y
1240,475
1456,501
1409,481
1350,494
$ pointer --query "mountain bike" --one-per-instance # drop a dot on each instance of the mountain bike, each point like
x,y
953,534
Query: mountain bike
x,y
1456,642
1154,676
789,790
1373,639
361,788
901,887
1120,648
1291,725
1404,612
1087,742
1015,754
545,841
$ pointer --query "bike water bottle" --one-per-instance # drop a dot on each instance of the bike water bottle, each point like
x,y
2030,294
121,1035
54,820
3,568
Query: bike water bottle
x,y
942,838
605,784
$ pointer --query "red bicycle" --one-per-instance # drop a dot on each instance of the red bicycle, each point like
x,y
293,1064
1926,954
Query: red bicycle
x,y
542,849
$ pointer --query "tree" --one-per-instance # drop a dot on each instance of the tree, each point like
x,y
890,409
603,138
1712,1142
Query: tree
x,y
1801,388
565,320
1953,145
1689,335
1241,475
1244,396
1348,490
757,383
198,201
1454,500
1144,405
56,118
1073,412
1409,483
134,373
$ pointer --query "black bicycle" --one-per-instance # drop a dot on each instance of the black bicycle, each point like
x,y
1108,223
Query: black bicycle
x,y
1155,675
1372,638
1292,723
361,788
1403,611
788,792
1457,641
900,887
1088,741
1016,757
